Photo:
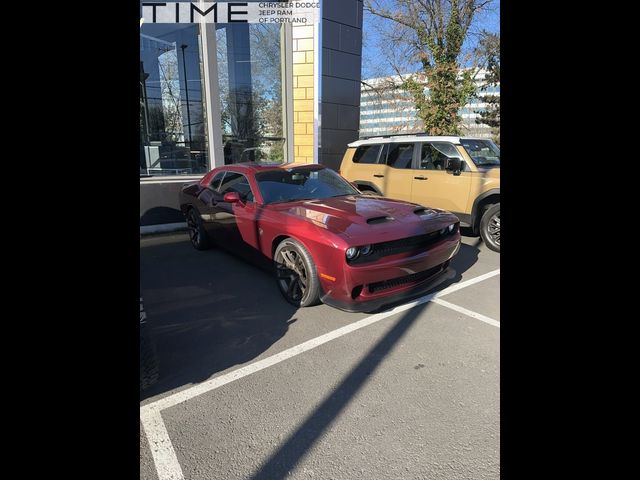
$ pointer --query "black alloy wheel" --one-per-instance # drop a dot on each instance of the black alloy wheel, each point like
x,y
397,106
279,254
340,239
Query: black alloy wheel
x,y
296,274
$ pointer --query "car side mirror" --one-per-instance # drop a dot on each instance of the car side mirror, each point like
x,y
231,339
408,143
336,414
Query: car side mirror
x,y
455,165
231,197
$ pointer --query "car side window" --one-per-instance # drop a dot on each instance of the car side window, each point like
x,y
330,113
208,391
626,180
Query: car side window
x,y
434,155
398,155
236,182
215,183
366,154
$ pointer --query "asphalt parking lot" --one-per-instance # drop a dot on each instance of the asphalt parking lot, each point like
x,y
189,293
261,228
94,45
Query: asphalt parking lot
x,y
252,388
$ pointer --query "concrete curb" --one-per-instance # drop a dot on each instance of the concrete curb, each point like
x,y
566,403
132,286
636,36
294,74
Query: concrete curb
x,y
163,228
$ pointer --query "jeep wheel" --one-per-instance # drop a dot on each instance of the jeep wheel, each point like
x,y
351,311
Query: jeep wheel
x,y
490,227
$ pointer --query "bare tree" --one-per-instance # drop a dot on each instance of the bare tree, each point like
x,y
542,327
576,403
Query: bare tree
x,y
170,94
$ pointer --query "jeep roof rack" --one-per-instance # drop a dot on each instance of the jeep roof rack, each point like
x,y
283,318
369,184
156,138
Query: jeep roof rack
x,y
417,134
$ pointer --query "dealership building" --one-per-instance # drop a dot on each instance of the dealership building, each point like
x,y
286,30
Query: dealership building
x,y
219,93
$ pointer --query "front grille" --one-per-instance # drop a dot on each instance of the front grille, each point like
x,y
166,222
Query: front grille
x,y
413,278
393,247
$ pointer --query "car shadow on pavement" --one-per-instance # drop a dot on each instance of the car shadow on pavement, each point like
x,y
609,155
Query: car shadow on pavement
x,y
209,311
206,311
468,232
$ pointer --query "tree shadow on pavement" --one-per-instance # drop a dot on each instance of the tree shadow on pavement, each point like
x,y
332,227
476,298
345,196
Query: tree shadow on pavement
x,y
295,447
206,311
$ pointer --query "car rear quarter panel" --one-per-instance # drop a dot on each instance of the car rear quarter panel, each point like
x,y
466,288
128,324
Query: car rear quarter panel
x,y
189,195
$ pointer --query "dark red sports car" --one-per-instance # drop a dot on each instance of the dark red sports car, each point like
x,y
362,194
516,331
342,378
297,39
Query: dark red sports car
x,y
325,240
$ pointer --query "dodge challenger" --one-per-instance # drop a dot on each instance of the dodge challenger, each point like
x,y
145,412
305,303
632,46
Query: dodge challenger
x,y
323,239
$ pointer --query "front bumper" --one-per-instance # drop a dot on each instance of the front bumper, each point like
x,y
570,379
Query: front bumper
x,y
376,304
369,287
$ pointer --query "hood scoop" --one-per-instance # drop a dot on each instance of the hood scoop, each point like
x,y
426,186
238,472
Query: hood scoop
x,y
424,211
377,220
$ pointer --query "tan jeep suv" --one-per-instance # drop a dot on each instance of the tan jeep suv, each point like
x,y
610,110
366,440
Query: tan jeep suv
x,y
461,175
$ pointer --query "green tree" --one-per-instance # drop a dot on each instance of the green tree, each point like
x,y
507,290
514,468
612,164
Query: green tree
x,y
432,34
489,51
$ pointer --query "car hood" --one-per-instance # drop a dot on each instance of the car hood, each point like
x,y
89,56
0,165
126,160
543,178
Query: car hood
x,y
363,216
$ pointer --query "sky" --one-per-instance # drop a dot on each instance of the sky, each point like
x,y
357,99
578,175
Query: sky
x,y
373,49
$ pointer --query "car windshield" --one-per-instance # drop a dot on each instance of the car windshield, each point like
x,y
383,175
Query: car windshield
x,y
484,153
286,185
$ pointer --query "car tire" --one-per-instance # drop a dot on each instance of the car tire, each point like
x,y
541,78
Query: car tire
x,y
296,274
197,234
148,359
490,227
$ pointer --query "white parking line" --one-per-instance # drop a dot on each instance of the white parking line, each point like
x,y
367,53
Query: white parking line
x,y
164,456
458,286
470,313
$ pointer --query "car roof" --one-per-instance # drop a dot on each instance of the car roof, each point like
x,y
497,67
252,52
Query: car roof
x,y
410,138
257,167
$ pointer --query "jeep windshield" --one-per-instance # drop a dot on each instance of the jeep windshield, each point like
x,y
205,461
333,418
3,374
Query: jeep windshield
x,y
484,153
292,184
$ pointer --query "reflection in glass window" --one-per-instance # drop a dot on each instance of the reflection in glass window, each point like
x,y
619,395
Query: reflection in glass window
x,y
302,183
215,183
366,154
250,82
172,131
484,153
236,182
399,154
434,155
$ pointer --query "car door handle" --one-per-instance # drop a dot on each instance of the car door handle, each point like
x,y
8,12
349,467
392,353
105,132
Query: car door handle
x,y
378,176
421,178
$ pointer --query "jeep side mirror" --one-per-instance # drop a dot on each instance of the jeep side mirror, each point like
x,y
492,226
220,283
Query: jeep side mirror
x,y
455,165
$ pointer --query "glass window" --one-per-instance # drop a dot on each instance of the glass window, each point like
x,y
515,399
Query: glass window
x,y
398,155
304,183
250,81
433,155
484,153
366,154
172,131
215,183
236,182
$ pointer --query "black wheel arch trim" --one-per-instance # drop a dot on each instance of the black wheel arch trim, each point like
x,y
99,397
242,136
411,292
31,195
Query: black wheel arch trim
x,y
288,236
474,211
369,184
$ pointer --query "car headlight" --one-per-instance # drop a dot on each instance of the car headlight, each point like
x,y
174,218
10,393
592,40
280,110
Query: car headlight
x,y
366,250
352,252
451,227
